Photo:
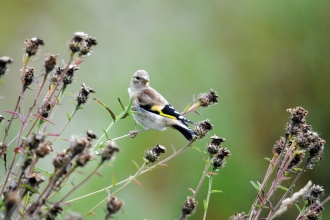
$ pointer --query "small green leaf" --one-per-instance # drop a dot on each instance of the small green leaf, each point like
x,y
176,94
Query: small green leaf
x,y
69,101
114,180
196,148
297,169
43,171
187,107
28,187
136,165
267,159
127,110
105,133
216,191
68,116
205,206
1,81
255,185
135,125
121,104
283,188
106,108
297,206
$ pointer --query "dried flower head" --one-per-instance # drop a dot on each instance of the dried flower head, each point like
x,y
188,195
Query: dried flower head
x,y
47,110
279,146
78,144
113,206
32,45
56,75
313,194
28,77
61,159
82,43
217,140
109,149
297,159
316,214
3,64
54,212
84,158
297,114
239,216
219,159
153,154
34,140
189,207
44,149
83,94
11,202
207,99
68,78
34,180
215,144
202,128
50,62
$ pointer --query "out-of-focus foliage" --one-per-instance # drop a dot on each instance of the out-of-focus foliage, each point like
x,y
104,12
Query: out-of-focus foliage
x,y
262,57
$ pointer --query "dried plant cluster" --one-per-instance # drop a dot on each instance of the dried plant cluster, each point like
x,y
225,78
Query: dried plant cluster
x,y
300,149
26,190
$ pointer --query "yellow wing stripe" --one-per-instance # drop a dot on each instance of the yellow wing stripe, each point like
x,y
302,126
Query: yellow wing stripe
x,y
158,109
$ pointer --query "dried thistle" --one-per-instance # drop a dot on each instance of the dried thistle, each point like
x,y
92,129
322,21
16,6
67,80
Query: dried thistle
x,y
32,45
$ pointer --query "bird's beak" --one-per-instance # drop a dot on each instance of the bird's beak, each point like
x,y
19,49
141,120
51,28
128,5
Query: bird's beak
x,y
144,81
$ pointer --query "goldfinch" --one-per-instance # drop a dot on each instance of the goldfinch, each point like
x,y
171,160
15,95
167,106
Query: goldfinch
x,y
153,111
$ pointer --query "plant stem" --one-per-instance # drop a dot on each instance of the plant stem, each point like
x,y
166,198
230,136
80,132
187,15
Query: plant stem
x,y
123,186
208,196
203,176
144,171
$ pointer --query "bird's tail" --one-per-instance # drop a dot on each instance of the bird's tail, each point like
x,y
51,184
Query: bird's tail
x,y
186,131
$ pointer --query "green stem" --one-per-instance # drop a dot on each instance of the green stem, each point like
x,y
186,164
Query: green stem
x,y
67,123
144,171
123,186
203,176
208,196
97,144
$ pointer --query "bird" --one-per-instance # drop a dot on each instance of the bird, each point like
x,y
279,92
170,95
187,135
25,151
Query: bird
x,y
153,111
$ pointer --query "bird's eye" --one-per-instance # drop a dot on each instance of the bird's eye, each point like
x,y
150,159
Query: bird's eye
x,y
138,78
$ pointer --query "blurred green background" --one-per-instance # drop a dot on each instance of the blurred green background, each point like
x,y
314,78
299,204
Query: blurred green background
x,y
262,57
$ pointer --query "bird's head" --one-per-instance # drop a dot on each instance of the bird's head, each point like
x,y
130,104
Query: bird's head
x,y
140,80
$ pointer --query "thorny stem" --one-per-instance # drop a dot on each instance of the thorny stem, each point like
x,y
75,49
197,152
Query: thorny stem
x,y
123,186
144,171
